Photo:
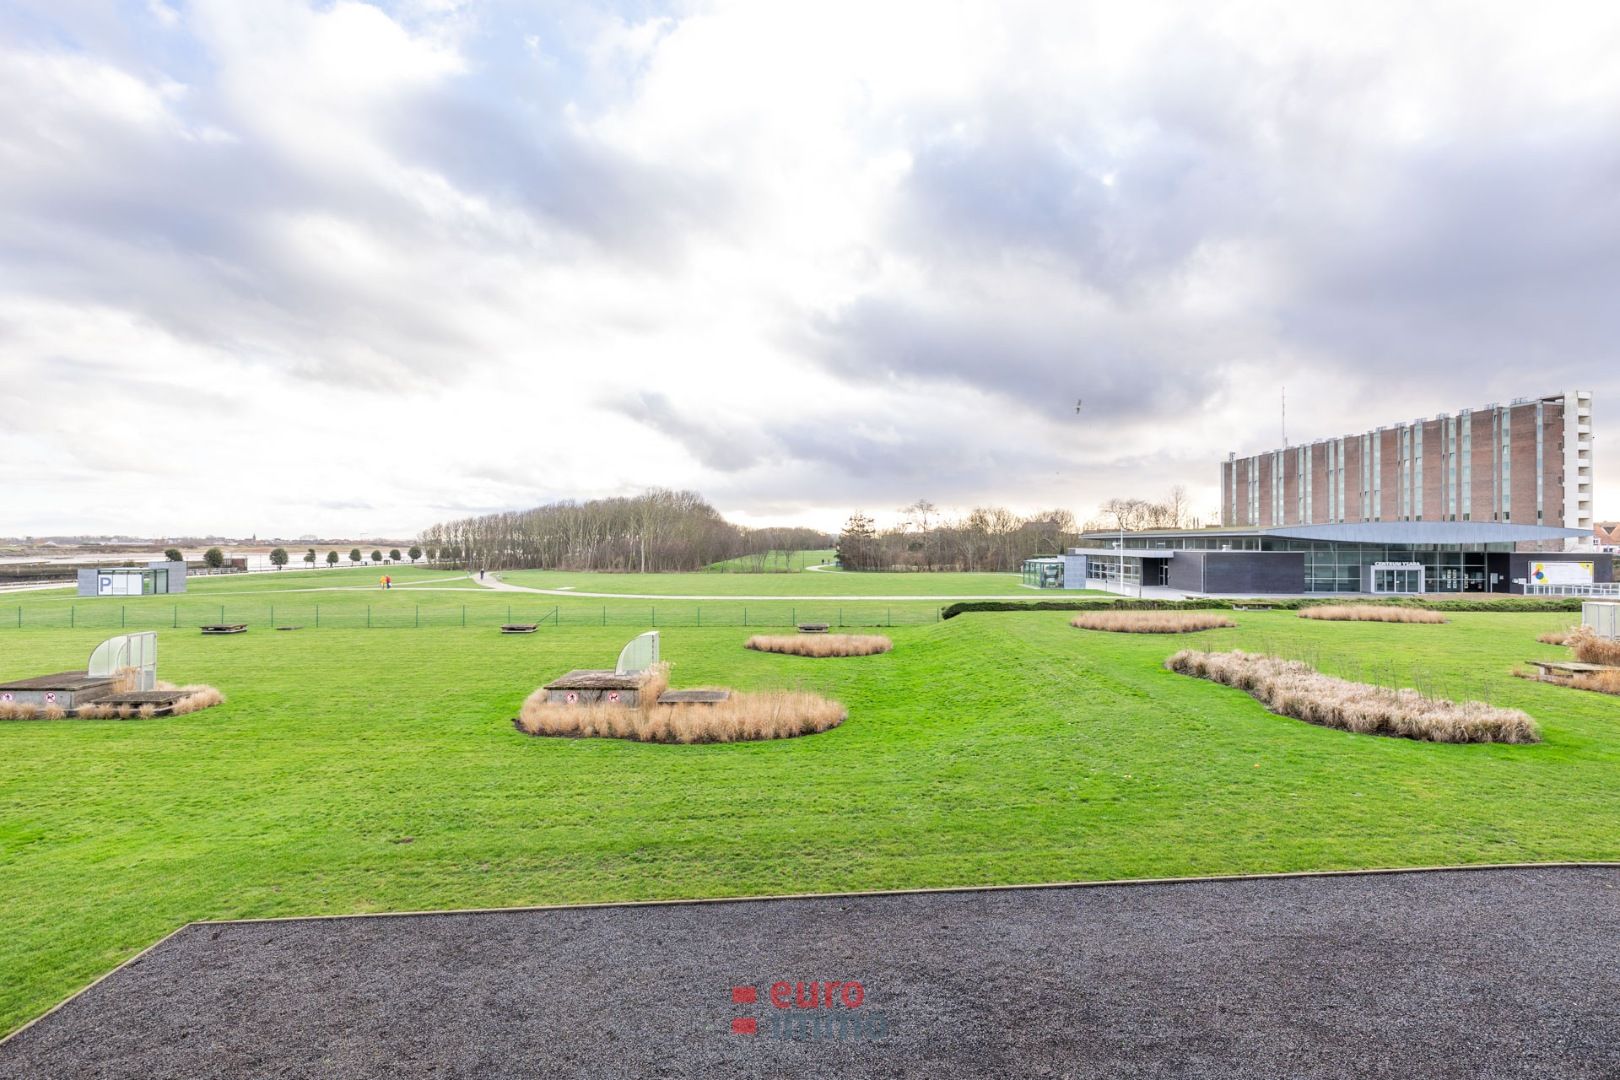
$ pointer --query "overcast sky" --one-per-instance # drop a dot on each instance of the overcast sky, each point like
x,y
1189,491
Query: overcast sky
x,y
339,268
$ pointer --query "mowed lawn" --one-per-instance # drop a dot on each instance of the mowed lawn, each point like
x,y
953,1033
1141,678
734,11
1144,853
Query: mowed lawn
x,y
806,583
346,598
370,770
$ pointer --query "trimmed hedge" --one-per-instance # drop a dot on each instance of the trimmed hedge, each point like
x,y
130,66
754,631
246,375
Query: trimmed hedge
x,y
1293,603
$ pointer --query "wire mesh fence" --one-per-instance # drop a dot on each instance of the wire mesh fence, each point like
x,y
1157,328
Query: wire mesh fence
x,y
408,616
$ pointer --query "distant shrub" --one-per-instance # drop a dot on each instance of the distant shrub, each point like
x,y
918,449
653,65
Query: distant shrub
x,y
1150,622
1291,688
214,558
1370,613
821,644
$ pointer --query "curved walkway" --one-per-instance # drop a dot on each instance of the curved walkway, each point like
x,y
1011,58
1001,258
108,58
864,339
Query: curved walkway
x,y
1445,975
493,581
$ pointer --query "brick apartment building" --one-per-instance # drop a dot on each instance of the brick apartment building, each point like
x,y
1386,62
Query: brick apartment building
x,y
1495,500
1527,463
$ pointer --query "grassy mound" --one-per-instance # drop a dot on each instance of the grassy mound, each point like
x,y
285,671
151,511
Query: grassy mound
x,y
1370,613
1150,622
1291,688
820,644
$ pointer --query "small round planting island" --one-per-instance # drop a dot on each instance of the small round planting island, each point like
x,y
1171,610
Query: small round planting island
x,y
820,644
641,707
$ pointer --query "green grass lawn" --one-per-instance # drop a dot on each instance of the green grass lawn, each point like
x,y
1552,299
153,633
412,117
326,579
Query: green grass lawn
x,y
809,583
429,598
356,770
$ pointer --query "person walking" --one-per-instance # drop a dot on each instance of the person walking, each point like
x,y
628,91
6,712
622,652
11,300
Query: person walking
x,y
480,573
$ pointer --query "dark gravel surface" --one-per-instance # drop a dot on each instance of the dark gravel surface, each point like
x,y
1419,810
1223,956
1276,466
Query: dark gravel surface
x,y
1500,973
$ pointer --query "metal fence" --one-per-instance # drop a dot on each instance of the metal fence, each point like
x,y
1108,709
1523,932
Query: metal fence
x,y
394,616
1599,588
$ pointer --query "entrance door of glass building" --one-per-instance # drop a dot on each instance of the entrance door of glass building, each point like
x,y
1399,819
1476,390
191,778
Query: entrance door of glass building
x,y
1397,578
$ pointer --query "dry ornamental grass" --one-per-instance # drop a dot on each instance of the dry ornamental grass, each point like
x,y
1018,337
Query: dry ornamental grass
x,y
1370,613
1603,682
1591,649
1556,637
743,717
196,697
821,644
1151,622
1294,689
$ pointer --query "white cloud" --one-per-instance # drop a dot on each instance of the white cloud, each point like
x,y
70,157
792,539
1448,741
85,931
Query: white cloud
x,y
355,267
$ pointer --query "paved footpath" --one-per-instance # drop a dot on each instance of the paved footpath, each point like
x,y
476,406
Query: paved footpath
x,y
1490,973
494,582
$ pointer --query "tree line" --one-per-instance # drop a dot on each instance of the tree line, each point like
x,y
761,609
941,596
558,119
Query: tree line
x,y
987,538
656,531
993,538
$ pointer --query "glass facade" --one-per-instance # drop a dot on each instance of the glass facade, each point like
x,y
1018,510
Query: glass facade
x,y
1043,573
1331,566
1105,568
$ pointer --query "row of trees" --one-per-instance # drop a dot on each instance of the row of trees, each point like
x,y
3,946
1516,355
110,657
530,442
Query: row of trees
x,y
657,531
279,557
992,537
988,538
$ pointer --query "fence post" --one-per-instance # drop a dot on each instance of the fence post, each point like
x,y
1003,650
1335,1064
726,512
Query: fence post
x,y
700,615
655,616
840,617
222,613
73,615
368,616
891,616
556,615
793,615
745,615
317,616
123,613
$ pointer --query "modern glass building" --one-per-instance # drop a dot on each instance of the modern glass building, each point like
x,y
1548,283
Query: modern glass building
x,y
1352,557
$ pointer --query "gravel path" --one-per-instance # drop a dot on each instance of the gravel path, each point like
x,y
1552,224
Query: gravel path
x,y
1491,973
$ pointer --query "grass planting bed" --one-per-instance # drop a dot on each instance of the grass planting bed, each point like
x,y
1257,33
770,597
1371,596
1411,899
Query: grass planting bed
x,y
1293,688
1151,622
984,749
704,717
1370,613
820,644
